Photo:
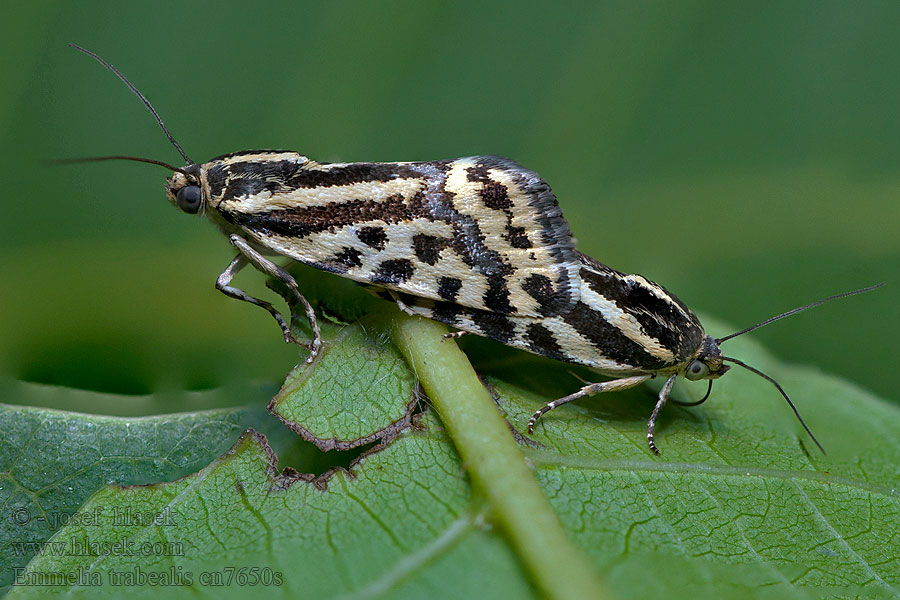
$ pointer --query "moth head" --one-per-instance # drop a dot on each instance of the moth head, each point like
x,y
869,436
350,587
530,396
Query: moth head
x,y
708,364
184,190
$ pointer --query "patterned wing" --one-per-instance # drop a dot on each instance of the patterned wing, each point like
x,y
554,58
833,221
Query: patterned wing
x,y
481,232
623,324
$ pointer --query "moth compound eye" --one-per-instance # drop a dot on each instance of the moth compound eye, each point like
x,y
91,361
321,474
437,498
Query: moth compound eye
x,y
188,198
697,370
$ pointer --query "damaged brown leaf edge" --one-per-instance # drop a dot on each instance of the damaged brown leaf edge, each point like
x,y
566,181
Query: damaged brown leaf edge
x,y
368,315
382,431
280,481
289,476
384,435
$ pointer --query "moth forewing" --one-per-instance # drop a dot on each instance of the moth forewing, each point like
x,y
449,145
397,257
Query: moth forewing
x,y
621,324
480,232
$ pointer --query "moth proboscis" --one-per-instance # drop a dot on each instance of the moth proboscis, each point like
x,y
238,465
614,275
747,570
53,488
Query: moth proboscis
x,y
478,243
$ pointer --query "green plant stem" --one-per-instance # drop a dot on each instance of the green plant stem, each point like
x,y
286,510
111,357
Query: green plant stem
x,y
495,463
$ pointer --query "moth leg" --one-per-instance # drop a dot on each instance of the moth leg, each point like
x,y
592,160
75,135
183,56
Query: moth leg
x,y
651,424
239,262
589,390
248,254
453,335
315,345
578,377
400,304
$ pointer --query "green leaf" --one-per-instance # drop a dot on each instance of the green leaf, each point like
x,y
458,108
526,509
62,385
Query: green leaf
x,y
358,390
736,490
51,461
402,524
735,506
370,389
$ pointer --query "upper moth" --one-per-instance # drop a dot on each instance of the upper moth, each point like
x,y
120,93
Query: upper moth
x,y
479,243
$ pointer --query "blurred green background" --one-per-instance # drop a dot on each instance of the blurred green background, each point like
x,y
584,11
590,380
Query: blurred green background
x,y
744,155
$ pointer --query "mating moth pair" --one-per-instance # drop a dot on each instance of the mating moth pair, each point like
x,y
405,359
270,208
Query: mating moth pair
x,y
478,243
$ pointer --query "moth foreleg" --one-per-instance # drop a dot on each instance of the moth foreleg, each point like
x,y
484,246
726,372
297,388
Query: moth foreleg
x,y
405,308
222,284
248,254
589,390
401,304
651,424
453,335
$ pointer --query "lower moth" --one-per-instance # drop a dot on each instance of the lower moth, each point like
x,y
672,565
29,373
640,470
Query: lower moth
x,y
478,243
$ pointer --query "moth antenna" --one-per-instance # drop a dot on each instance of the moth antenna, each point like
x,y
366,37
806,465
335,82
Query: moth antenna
x,y
799,309
134,158
139,95
698,402
780,389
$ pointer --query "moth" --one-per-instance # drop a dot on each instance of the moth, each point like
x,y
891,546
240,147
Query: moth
x,y
479,243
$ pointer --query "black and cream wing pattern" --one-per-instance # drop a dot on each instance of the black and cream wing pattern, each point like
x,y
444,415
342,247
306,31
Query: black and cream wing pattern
x,y
481,232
